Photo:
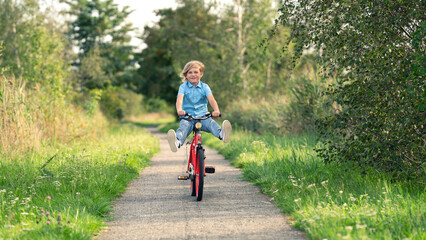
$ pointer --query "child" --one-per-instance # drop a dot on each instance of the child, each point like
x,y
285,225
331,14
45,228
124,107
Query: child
x,y
192,98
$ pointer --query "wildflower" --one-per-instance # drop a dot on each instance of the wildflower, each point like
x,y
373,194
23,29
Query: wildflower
x,y
349,228
47,213
361,226
48,198
48,222
340,192
298,199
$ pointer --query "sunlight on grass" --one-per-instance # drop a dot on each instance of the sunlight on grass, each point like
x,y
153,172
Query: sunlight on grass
x,y
326,200
72,194
152,118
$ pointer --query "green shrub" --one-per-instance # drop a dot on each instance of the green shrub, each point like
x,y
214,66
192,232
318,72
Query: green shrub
x,y
156,104
375,49
134,103
112,104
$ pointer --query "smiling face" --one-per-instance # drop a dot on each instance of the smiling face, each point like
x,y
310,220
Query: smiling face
x,y
194,75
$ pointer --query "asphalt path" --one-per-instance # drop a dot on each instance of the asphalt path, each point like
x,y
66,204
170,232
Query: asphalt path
x,y
158,206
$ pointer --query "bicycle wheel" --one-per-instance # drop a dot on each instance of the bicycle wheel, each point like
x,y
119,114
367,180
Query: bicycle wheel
x,y
193,187
199,178
192,178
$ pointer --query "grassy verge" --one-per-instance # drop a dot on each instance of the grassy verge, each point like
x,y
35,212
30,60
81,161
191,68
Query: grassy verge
x,y
66,193
325,200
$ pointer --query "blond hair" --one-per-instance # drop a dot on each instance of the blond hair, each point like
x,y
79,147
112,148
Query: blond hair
x,y
190,65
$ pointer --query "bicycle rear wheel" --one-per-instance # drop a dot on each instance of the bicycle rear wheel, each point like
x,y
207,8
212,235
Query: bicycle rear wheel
x,y
199,178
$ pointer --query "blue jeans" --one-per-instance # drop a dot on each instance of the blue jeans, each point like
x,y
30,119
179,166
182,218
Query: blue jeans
x,y
186,126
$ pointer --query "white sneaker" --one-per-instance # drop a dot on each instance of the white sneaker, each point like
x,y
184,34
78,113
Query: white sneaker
x,y
226,131
171,137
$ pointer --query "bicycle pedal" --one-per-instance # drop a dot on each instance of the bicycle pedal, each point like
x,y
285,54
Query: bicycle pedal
x,y
183,177
210,169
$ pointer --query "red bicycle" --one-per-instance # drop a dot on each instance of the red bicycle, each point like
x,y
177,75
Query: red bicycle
x,y
196,168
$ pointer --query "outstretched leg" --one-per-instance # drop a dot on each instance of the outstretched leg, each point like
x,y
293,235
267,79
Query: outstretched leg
x,y
223,133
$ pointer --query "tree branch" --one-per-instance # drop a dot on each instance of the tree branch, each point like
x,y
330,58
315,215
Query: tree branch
x,y
403,29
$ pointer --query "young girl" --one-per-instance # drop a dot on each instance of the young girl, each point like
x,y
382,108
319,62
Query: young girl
x,y
192,98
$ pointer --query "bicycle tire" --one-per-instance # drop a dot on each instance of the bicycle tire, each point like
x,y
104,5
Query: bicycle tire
x,y
193,188
200,176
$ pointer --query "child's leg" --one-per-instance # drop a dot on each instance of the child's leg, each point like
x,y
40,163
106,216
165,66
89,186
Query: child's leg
x,y
185,128
211,126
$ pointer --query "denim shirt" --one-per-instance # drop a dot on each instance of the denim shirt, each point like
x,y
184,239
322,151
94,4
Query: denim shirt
x,y
195,98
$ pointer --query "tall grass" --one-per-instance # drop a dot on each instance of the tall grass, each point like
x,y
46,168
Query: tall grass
x,y
32,118
327,201
66,192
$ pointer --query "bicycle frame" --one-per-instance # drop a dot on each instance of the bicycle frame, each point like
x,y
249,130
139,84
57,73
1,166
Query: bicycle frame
x,y
195,145
196,165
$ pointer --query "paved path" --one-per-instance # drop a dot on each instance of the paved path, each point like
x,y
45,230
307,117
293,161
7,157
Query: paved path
x,y
158,206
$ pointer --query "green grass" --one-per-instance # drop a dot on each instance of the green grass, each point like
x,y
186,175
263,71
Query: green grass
x,y
70,197
325,200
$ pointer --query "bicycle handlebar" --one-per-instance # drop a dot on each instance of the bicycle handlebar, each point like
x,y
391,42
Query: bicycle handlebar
x,y
208,115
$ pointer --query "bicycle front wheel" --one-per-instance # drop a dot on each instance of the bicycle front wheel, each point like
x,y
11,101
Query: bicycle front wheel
x,y
199,178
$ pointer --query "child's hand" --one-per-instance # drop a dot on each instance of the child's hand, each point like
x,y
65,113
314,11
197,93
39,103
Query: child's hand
x,y
215,114
181,113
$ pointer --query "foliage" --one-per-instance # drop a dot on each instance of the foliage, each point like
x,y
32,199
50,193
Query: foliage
x,y
111,104
134,103
268,115
326,200
91,74
156,76
201,30
101,24
32,118
66,192
33,47
375,50
293,111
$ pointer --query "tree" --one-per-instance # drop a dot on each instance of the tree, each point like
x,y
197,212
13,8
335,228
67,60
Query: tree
x,y
103,25
33,49
199,30
376,51
156,78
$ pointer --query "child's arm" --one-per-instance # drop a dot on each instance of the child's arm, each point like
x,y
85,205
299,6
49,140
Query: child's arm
x,y
214,105
179,101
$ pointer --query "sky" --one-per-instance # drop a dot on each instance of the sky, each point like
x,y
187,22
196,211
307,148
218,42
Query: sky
x,y
144,14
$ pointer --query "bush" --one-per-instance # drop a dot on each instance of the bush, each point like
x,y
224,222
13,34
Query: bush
x,y
156,104
376,51
111,104
262,115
